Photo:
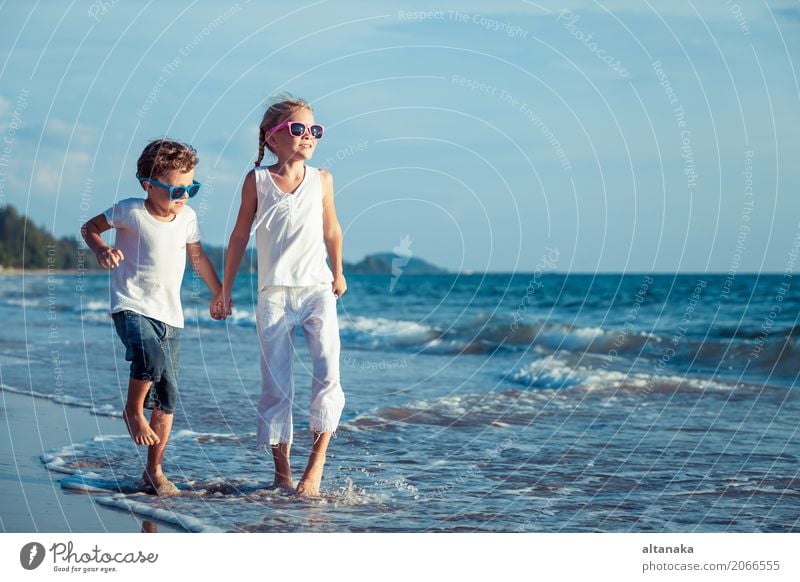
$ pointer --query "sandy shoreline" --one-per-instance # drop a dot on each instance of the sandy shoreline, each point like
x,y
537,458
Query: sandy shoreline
x,y
45,271
31,497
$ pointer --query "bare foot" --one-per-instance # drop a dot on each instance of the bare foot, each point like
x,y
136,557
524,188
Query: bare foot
x,y
309,484
159,485
307,489
280,483
139,429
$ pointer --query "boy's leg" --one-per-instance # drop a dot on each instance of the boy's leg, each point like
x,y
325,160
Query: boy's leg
x,y
163,399
312,476
136,335
133,414
161,423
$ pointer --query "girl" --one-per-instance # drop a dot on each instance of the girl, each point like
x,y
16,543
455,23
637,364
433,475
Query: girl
x,y
290,207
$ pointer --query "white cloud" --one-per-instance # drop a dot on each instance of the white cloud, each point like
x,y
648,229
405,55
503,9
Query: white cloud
x,y
58,131
60,170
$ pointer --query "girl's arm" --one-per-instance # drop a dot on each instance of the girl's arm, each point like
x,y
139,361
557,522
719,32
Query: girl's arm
x,y
238,241
107,257
332,232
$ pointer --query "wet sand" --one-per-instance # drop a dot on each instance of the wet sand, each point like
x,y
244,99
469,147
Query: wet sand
x,y
31,497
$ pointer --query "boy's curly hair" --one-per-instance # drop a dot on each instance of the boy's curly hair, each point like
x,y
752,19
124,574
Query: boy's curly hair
x,y
165,155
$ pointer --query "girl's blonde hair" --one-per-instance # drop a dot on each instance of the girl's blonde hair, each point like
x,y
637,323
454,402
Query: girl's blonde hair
x,y
276,114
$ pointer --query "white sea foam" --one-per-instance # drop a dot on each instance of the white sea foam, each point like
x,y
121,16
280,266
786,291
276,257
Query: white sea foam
x,y
377,332
95,305
563,337
558,372
96,317
186,522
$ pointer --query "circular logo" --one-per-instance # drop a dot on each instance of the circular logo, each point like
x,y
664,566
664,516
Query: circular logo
x,y
31,555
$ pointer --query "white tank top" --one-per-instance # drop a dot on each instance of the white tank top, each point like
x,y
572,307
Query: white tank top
x,y
289,236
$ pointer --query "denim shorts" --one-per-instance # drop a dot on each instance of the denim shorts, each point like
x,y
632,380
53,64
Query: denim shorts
x,y
153,349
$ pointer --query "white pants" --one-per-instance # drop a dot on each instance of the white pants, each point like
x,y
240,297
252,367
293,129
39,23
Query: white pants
x,y
279,310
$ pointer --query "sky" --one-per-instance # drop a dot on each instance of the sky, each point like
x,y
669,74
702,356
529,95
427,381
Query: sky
x,y
619,136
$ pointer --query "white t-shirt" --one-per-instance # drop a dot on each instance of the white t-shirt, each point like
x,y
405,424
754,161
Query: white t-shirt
x,y
148,280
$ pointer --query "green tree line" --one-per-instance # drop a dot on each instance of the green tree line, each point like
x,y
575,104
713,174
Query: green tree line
x,y
23,245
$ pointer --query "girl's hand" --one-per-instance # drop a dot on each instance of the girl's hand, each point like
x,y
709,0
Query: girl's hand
x,y
110,258
339,286
221,306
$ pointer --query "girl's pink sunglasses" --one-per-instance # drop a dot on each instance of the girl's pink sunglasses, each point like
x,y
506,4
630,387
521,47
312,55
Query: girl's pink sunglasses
x,y
298,129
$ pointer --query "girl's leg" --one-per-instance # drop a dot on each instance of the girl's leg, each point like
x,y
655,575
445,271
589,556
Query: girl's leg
x,y
321,331
283,470
312,476
276,337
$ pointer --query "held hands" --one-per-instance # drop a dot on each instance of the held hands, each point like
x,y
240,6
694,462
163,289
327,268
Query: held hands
x,y
221,306
110,258
339,286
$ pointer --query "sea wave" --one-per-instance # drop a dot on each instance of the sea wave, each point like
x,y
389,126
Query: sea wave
x,y
550,384
562,371
96,409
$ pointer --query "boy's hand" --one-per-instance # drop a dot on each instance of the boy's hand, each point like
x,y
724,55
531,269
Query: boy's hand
x,y
339,286
221,306
110,258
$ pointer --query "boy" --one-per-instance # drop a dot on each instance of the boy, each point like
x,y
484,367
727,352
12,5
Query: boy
x,y
148,263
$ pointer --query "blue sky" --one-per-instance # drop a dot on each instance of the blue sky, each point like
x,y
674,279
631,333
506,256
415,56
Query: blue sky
x,y
629,135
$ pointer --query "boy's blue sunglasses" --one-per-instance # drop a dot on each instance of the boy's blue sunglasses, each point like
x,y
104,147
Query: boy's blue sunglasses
x,y
175,192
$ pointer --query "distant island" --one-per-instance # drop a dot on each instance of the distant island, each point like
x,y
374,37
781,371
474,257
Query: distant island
x,y
23,245
382,264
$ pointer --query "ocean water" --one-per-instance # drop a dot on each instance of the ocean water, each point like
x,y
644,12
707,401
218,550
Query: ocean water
x,y
521,403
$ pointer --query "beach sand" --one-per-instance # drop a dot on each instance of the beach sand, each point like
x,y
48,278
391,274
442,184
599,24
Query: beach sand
x,y
31,497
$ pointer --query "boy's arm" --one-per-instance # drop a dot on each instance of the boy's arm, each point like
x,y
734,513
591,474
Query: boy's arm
x,y
332,232
203,267
107,257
